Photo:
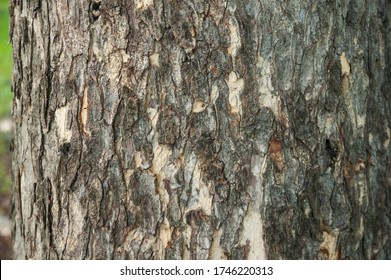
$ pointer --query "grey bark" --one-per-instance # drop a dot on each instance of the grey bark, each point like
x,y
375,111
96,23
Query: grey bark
x,y
163,129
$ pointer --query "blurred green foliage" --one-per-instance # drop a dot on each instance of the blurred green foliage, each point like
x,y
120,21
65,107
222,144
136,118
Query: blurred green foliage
x,y
5,163
5,61
5,96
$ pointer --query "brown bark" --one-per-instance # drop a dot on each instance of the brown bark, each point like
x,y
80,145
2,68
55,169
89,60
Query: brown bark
x,y
163,129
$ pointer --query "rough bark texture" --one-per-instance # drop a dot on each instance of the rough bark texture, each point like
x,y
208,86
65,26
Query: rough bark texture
x,y
163,129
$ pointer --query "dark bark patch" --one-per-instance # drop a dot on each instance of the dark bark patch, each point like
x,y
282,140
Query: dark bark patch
x,y
133,217
323,254
65,148
276,154
168,127
214,171
332,150
223,191
275,146
95,10
144,195
182,26
195,218
238,253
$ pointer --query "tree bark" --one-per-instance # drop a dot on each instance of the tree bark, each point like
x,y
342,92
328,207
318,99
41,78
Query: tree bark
x,y
164,129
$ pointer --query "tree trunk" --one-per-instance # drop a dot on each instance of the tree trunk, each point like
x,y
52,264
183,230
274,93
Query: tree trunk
x,y
167,129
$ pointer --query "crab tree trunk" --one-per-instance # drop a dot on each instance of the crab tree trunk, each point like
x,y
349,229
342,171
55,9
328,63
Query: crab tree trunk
x,y
163,129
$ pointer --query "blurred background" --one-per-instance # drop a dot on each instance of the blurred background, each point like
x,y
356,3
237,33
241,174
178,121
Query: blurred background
x,y
5,131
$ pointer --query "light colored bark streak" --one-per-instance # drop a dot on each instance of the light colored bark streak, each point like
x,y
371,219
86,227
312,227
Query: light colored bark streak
x,y
235,86
143,4
84,113
64,134
253,222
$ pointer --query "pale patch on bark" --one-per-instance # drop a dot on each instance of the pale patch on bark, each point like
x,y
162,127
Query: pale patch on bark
x,y
329,244
23,194
176,67
200,198
114,67
186,243
307,212
270,101
143,4
164,238
253,233
360,121
98,53
125,56
199,106
357,120
345,74
165,232
265,87
328,125
361,184
205,199
76,219
264,71
64,134
39,44
153,117
235,86
84,113
370,138
154,59
161,166
234,35
215,251
258,168
128,173
387,141
138,160
161,158
345,65
214,94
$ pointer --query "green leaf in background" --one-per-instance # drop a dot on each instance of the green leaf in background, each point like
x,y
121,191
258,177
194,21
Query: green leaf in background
x,y
5,61
5,98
